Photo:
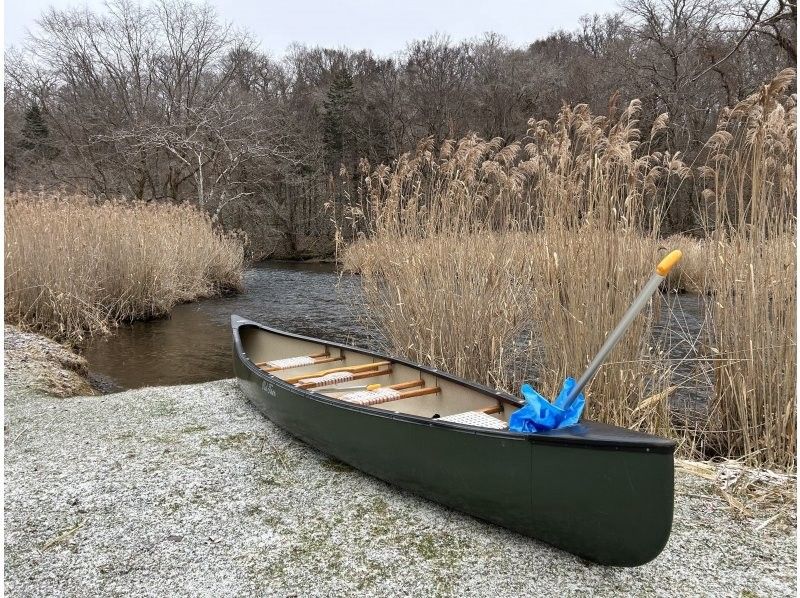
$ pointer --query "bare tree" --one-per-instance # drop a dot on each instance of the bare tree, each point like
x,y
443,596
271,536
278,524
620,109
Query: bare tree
x,y
167,102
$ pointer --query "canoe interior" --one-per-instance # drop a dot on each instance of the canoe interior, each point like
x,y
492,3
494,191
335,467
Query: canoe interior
x,y
452,398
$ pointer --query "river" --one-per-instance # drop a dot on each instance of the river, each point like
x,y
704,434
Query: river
x,y
194,343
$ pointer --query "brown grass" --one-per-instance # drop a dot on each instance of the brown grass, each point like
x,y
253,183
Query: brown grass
x,y
752,202
456,303
503,262
75,266
471,261
691,274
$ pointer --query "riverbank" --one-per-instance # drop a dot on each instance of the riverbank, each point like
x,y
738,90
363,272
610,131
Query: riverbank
x,y
187,490
36,363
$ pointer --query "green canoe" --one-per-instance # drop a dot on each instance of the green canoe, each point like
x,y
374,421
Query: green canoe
x,y
601,492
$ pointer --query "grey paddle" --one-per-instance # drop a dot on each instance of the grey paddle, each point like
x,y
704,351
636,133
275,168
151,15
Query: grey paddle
x,y
663,268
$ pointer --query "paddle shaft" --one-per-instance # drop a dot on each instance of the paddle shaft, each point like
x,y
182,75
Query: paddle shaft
x,y
638,304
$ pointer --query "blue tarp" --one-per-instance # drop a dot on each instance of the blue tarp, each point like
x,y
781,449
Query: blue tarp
x,y
539,414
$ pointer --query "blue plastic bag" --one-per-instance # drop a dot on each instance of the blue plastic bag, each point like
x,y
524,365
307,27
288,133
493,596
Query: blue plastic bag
x,y
539,414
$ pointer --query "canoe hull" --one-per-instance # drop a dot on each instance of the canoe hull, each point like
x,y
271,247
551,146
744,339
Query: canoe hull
x,y
608,504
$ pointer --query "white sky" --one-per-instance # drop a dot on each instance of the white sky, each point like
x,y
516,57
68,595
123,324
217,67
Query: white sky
x,y
380,25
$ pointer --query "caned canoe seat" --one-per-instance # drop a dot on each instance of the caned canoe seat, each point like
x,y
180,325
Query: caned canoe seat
x,y
388,393
288,363
340,374
371,397
329,378
325,379
476,418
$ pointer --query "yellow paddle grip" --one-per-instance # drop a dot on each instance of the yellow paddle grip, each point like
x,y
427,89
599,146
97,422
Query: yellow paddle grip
x,y
669,261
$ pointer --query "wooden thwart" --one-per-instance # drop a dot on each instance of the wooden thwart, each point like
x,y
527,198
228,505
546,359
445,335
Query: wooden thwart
x,y
430,390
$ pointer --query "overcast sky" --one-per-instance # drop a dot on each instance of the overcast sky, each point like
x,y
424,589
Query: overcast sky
x,y
379,25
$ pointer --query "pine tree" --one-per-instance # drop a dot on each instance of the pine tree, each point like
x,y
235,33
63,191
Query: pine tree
x,y
337,130
36,135
35,129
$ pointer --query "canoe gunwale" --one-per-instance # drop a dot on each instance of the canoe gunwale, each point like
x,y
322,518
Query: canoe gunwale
x,y
566,437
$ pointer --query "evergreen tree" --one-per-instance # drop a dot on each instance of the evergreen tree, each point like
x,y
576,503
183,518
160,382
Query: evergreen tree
x,y
36,134
34,130
337,122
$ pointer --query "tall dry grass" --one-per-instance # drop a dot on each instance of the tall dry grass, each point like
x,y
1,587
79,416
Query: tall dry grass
x,y
751,205
600,192
489,259
691,274
74,266
503,262
455,303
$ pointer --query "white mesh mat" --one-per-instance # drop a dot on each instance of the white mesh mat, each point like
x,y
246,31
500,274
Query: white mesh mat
x,y
371,397
331,378
476,418
290,362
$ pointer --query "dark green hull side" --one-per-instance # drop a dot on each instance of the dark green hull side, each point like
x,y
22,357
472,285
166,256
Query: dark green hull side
x,y
600,492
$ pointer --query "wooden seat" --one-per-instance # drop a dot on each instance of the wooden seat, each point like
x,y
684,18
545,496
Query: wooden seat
x,y
345,368
288,363
389,393
329,378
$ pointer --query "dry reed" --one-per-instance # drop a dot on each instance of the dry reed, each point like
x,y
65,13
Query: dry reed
x,y
752,202
485,258
691,274
504,261
600,193
75,266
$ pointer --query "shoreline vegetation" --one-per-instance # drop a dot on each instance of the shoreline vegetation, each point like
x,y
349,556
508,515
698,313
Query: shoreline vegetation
x,y
75,266
503,262
496,261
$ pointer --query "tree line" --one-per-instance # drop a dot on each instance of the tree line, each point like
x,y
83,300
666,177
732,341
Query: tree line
x,y
169,102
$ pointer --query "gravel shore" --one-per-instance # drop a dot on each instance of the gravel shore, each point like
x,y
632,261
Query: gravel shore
x,y
188,491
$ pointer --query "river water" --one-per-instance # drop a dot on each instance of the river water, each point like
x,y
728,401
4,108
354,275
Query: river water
x,y
194,343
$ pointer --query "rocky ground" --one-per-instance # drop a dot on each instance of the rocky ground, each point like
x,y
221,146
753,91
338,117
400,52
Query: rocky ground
x,y
189,491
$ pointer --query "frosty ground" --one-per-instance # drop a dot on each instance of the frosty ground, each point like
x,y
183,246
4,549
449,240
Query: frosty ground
x,y
189,491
